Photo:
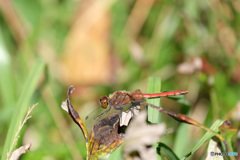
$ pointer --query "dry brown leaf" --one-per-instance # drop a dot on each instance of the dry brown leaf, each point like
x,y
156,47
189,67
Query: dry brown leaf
x,y
236,5
86,57
18,152
139,136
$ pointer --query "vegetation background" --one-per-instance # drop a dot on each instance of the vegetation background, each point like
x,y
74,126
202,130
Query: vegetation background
x,y
104,46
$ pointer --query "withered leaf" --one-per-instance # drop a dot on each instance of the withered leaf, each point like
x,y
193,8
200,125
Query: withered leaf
x,y
18,152
139,138
105,135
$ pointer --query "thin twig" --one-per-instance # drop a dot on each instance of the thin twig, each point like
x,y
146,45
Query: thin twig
x,y
19,129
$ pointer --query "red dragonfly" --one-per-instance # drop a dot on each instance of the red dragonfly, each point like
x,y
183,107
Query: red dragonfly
x,y
122,101
104,137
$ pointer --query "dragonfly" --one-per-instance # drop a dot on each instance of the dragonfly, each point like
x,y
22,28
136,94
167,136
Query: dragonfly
x,y
104,137
128,102
103,123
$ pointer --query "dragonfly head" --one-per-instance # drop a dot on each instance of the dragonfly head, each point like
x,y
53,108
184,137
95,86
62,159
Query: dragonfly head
x,y
103,102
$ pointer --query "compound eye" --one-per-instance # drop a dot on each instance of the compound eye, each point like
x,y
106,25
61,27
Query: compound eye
x,y
104,102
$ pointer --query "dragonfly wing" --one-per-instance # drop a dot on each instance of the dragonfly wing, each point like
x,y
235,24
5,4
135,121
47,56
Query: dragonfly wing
x,y
99,114
91,118
173,103
108,112
140,100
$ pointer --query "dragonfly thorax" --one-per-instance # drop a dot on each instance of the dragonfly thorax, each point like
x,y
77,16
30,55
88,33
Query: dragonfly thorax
x,y
103,102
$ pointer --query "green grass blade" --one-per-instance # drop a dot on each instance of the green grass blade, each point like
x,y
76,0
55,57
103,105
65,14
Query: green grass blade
x,y
154,86
166,152
205,138
7,91
182,139
22,105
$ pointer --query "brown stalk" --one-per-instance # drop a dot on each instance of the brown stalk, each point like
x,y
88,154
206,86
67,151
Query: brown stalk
x,y
61,126
13,19
185,119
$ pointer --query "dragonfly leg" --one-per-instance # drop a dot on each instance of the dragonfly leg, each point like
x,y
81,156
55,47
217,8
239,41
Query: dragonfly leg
x,y
131,110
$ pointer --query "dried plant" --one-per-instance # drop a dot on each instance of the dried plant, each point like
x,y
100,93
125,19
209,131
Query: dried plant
x,y
15,155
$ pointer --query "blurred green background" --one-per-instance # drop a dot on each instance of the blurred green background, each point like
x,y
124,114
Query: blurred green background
x,y
104,46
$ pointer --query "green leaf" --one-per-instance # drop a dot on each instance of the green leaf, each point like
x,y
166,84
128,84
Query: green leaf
x,y
228,132
166,152
205,138
154,86
7,89
22,105
182,139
